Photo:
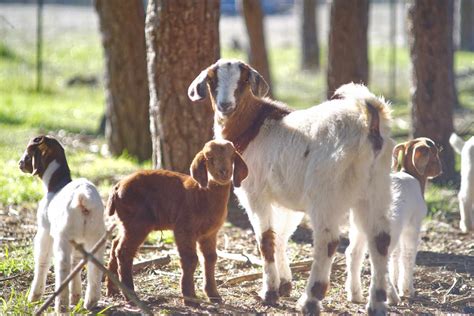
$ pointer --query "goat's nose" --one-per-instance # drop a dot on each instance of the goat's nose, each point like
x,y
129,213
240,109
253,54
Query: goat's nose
x,y
224,106
21,164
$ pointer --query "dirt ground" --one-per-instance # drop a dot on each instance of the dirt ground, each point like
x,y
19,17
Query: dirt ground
x,y
443,277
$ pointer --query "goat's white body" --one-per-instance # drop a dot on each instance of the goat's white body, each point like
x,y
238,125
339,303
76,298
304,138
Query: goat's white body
x,y
407,212
73,213
466,192
318,161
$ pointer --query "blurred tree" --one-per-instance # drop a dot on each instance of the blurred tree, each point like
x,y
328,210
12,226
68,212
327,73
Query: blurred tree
x,y
467,25
347,47
123,38
434,95
182,38
309,35
253,16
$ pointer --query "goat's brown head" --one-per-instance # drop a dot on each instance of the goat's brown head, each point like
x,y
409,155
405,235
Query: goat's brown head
x,y
227,82
216,159
419,157
39,153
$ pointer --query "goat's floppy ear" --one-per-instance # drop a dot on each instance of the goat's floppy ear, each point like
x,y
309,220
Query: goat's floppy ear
x,y
37,162
199,169
398,156
197,90
420,158
241,170
258,85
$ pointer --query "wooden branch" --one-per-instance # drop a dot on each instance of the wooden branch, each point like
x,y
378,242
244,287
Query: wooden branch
x,y
464,300
160,261
11,277
76,270
247,258
125,290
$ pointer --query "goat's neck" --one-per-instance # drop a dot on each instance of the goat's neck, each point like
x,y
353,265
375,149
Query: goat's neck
x,y
421,179
56,176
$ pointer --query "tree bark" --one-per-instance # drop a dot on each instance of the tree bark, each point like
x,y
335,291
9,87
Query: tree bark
x,y
123,38
182,38
258,57
309,35
433,89
347,47
467,25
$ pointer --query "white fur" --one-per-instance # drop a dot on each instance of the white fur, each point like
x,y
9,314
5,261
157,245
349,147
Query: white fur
x,y
321,162
466,192
407,212
228,75
53,166
61,219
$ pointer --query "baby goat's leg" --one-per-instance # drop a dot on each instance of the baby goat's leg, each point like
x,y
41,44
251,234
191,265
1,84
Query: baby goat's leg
x,y
466,207
208,248
94,277
408,249
187,251
112,266
355,254
62,267
42,253
75,284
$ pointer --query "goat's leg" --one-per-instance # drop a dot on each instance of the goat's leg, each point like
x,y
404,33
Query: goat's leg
x,y
62,267
325,241
112,266
75,284
43,244
208,248
374,222
285,226
94,277
393,266
409,245
355,254
466,208
188,257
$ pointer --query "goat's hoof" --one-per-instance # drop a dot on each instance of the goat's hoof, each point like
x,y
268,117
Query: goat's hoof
x,y
90,303
270,298
393,298
191,302
308,307
215,299
33,297
74,299
376,309
285,288
465,227
408,292
355,297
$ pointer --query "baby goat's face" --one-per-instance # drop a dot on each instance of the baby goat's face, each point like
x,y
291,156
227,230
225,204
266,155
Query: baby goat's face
x,y
227,82
39,153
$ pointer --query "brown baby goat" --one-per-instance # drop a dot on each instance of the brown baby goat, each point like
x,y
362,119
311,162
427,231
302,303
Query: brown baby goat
x,y
194,207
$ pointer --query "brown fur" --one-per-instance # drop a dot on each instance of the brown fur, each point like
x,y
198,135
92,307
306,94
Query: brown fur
x,y
267,245
319,289
193,207
332,246
39,153
374,130
382,241
419,158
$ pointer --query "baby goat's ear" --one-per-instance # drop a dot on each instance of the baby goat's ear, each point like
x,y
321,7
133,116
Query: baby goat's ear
x,y
398,156
199,169
241,170
258,85
420,158
197,90
37,162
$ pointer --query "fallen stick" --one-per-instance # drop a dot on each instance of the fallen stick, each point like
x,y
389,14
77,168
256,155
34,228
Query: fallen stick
x,y
125,290
76,270
247,258
464,300
445,297
161,261
11,277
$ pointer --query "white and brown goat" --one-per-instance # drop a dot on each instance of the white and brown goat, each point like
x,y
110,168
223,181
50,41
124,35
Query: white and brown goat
x,y
322,161
69,210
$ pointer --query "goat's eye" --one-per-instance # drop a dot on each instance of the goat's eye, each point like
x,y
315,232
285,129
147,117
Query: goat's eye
x,y
27,158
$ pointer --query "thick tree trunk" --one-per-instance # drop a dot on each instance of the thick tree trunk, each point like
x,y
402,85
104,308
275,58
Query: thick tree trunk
x,y
433,98
182,38
253,16
347,47
309,35
467,25
122,28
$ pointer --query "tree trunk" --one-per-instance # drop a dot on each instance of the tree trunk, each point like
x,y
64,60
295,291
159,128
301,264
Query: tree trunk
x,y
433,98
467,25
347,47
253,16
309,35
182,38
123,37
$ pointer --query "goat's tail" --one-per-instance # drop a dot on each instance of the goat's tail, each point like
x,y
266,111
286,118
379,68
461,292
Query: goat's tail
x,y
110,207
376,109
456,142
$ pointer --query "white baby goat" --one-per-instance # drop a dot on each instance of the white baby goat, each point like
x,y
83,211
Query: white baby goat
x,y
466,192
70,210
419,161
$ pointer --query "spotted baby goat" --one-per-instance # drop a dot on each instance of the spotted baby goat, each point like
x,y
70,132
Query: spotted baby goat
x,y
321,161
419,161
466,192
194,207
70,210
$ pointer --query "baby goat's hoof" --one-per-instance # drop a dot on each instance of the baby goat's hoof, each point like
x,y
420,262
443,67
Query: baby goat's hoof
x,y
355,297
270,298
191,302
285,288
